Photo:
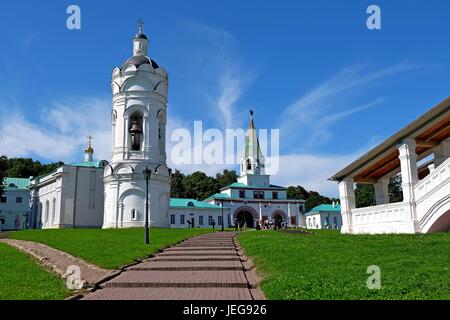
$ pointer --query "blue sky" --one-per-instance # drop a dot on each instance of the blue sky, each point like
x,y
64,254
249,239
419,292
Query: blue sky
x,y
311,68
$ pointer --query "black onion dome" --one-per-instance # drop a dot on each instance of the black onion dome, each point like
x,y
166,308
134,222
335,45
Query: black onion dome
x,y
141,36
140,60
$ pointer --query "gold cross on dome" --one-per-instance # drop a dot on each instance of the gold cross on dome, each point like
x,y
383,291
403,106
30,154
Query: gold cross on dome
x,y
90,138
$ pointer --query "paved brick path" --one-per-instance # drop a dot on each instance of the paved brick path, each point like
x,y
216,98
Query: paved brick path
x,y
59,261
209,267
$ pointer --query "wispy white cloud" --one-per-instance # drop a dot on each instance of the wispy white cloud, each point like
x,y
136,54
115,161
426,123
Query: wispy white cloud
x,y
60,133
328,103
225,67
312,170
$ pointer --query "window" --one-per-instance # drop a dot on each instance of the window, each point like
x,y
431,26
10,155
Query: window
x,y
327,221
172,219
335,221
182,219
219,220
274,195
249,164
18,199
294,221
53,210
200,220
190,204
314,222
3,199
241,193
210,220
300,209
133,214
258,194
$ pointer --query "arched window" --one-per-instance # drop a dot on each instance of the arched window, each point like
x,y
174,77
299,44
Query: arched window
x,y
53,210
136,131
162,131
190,204
133,214
249,164
47,209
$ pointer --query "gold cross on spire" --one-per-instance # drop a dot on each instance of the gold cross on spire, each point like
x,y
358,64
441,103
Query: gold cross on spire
x,y
140,26
90,138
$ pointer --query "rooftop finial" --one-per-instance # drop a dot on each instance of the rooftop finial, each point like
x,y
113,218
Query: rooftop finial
x,y
251,112
89,150
140,26
90,138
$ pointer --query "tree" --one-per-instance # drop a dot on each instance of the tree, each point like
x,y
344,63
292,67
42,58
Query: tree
x,y
176,185
297,193
27,167
365,195
395,189
199,186
226,178
312,198
3,164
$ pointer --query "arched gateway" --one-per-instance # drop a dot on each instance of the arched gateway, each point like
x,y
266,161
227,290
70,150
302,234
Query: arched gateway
x,y
245,216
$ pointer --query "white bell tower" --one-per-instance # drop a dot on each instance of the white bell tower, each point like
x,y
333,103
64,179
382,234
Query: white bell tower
x,y
138,118
252,161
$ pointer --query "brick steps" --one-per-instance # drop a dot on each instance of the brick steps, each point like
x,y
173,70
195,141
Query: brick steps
x,y
205,267
171,294
162,265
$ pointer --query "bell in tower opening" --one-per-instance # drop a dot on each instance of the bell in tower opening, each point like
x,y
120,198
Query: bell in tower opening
x,y
136,132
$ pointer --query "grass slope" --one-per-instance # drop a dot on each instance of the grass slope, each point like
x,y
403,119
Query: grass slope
x,y
23,278
107,248
329,265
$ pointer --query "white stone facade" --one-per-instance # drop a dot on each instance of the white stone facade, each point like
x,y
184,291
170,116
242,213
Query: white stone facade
x,y
426,187
139,104
69,197
14,208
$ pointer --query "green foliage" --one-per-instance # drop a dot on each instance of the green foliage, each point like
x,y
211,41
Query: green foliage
x,y
108,248
330,265
226,178
176,185
365,195
3,166
313,198
395,189
22,278
198,185
25,167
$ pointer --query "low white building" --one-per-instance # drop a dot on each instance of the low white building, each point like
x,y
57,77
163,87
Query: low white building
x,y
324,216
14,204
191,213
420,153
69,197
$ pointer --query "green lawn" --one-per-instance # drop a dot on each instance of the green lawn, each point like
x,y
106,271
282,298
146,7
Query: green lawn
x,y
329,265
107,248
22,278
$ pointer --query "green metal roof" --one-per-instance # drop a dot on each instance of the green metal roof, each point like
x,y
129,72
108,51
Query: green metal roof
x,y
324,208
90,164
191,203
16,183
244,186
218,196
